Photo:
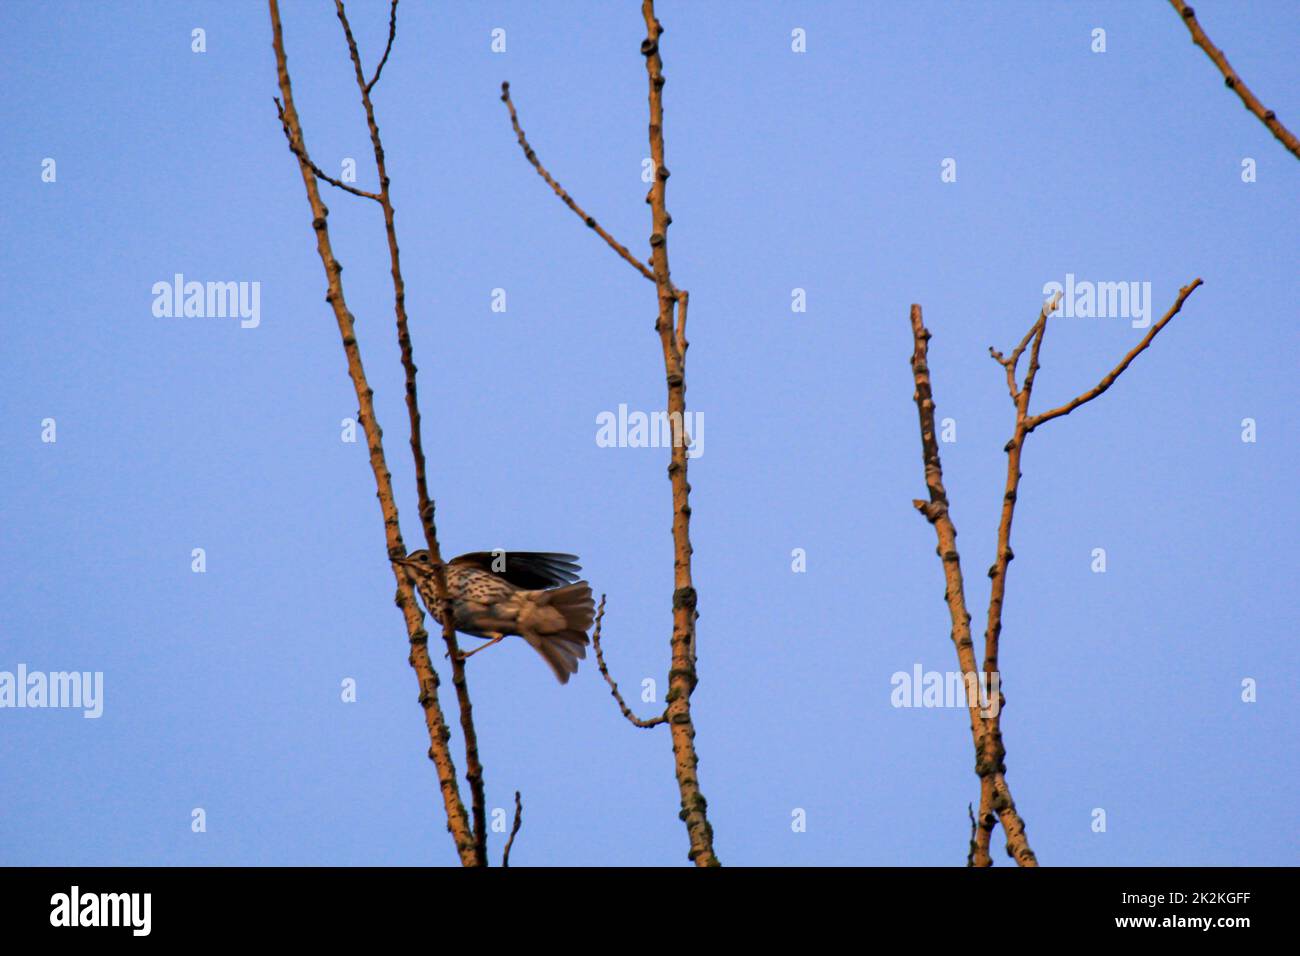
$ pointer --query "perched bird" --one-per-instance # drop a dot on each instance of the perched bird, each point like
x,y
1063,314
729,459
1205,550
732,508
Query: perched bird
x,y
536,595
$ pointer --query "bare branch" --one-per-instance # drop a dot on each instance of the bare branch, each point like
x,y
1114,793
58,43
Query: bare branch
x,y
320,173
1040,330
1109,379
1235,82
473,763
995,795
936,512
457,819
670,324
613,687
987,820
682,676
519,819
560,191
388,48
683,300
970,856
1011,363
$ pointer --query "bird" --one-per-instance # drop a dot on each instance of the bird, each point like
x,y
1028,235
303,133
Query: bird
x,y
494,594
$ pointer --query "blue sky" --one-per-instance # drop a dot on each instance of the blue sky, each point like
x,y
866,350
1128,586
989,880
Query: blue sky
x,y
817,171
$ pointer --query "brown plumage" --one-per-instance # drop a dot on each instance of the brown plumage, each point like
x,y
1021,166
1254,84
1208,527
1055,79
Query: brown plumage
x,y
533,594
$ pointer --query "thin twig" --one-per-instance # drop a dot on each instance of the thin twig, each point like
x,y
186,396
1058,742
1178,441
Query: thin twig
x,y
1010,364
457,819
560,191
1235,82
473,763
519,819
613,686
1109,379
1032,372
970,856
388,48
320,173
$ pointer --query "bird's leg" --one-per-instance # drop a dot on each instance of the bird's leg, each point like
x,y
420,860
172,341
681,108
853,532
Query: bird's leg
x,y
497,639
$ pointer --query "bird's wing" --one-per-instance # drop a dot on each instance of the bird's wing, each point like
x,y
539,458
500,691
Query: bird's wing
x,y
530,570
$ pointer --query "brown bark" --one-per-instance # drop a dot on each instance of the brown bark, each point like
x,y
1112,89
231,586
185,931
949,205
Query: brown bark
x,y
670,324
473,764
458,823
672,335
936,511
563,193
614,692
514,830
996,802
1235,82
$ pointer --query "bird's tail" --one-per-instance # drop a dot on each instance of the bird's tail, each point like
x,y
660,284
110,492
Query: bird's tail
x,y
561,638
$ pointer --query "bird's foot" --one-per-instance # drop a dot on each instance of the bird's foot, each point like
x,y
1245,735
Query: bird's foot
x,y
464,656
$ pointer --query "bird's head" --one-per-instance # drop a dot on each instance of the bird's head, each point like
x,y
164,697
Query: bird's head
x,y
416,560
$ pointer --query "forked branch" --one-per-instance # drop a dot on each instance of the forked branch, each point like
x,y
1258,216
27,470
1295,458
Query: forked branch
x,y
473,763
1109,379
996,802
670,324
458,821
937,513
320,173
